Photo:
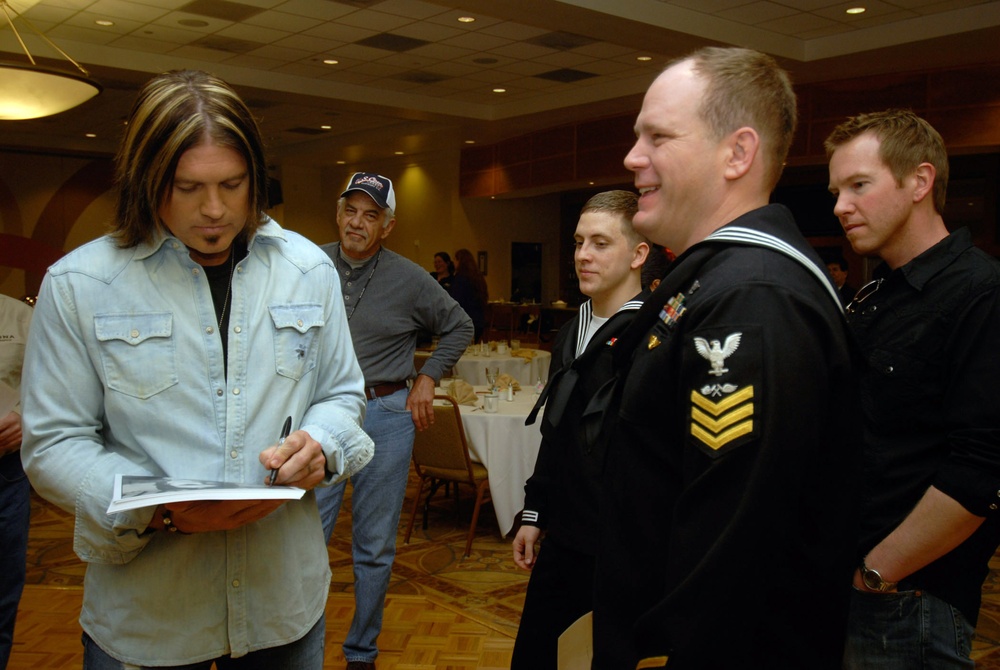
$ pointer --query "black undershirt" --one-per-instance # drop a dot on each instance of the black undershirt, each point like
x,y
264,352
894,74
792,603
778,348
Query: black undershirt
x,y
218,282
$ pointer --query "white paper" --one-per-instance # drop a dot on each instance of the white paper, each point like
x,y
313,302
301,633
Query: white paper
x,y
132,491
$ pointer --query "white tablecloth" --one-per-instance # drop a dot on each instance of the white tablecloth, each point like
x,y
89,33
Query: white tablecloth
x,y
506,447
472,368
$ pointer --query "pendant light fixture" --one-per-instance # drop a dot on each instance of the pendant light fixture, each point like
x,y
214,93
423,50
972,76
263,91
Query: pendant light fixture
x,y
29,90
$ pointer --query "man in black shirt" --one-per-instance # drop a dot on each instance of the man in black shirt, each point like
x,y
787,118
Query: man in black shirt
x,y
929,325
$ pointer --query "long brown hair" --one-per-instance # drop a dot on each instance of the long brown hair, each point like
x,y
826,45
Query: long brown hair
x,y
175,111
466,266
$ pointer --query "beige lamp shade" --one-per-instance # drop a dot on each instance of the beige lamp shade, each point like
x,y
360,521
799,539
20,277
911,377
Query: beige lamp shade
x,y
32,91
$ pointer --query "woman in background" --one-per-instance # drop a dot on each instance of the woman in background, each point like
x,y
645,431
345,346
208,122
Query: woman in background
x,y
444,269
468,288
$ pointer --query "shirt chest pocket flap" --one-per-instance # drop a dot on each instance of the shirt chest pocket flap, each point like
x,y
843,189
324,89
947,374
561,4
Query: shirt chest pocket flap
x,y
137,352
296,336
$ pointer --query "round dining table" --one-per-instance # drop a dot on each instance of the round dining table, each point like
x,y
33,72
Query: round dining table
x,y
527,369
506,446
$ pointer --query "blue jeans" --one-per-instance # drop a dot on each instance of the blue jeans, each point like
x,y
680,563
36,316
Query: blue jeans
x,y
306,653
910,630
15,511
376,501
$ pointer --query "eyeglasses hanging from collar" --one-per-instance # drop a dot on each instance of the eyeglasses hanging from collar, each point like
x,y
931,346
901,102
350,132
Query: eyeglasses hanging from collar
x,y
865,292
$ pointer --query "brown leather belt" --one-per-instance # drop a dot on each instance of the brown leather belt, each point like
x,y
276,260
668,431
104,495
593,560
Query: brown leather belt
x,y
380,390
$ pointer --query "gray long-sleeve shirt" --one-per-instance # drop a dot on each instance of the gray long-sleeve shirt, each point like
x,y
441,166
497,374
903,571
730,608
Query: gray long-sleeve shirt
x,y
390,300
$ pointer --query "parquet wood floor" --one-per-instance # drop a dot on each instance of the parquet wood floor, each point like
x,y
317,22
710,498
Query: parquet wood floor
x,y
443,610
417,634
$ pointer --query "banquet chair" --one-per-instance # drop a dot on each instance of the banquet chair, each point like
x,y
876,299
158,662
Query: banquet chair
x,y
528,324
441,454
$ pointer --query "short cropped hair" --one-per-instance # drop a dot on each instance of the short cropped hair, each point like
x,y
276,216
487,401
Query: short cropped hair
x,y
174,112
905,141
747,88
656,264
624,205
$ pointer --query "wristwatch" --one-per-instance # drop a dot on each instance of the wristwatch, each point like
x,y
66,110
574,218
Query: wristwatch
x,y
873,580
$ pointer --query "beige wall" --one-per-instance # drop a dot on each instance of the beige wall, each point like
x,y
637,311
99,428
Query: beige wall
x,y
72,197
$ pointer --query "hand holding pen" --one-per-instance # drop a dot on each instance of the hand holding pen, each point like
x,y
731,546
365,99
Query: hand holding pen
x,y
286,429
298,456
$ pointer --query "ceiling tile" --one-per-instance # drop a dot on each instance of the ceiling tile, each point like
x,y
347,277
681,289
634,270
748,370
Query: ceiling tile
x,y
705,6
414,9
165,33
442,52
450,18
308,43
282,54
293,23
756,12
117,9
797,23
338,32
479,41
144,43
258,34
66,31
520,50
604,50
221,9
513,31
199,53
372,20
323,11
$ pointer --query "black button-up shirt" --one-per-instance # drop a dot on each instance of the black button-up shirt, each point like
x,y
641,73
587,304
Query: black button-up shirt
x,y
930,334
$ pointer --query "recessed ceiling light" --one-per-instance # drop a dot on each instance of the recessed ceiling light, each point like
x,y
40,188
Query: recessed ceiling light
x,y
499,90
470,141
91,135
341,162
644,58
856,10
398,153
330,61
326,127
466,19
104,22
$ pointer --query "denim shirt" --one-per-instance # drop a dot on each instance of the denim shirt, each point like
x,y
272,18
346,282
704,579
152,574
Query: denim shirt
x,y
127,376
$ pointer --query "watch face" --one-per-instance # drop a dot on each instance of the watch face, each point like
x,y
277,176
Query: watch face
x,y
872,580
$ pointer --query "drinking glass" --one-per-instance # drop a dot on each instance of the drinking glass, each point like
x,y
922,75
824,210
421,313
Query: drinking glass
x,y
491,378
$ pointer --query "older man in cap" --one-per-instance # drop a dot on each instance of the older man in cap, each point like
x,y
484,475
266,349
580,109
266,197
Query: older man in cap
x,y
389,300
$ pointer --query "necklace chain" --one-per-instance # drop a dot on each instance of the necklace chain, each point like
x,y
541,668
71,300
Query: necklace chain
x,y
229,285
365,287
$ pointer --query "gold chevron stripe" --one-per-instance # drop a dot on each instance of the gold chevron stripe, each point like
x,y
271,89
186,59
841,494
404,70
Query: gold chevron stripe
x,y
717,408
716,442
716,425
652,662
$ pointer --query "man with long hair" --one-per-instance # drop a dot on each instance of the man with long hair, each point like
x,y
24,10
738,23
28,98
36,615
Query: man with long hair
x,y
177,346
